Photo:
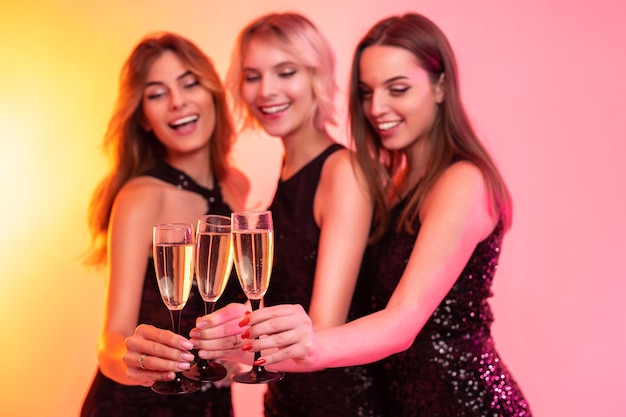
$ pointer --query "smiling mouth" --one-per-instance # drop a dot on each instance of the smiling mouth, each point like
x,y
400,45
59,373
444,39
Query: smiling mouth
x,y
274,109
184,121
387,125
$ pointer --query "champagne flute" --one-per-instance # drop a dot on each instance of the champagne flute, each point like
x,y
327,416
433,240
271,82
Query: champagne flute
x,y
253,244
214,261
173,260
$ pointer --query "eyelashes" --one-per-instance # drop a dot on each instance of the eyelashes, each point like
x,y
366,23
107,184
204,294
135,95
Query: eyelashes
x,y
254,77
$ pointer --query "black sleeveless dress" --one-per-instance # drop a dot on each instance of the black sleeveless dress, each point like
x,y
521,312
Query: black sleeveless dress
x,y
452,368
340,392
107,398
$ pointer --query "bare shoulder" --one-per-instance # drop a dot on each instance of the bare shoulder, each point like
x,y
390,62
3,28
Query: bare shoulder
x,y
235,188
142,187
342,186
341,164
462,176
461,193
140,197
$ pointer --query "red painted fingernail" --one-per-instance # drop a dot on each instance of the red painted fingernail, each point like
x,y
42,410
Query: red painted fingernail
x,y
259,362
245,321
245,334
247,347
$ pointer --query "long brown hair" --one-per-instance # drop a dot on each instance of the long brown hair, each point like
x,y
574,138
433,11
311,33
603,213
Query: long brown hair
x,y
131,149
453,137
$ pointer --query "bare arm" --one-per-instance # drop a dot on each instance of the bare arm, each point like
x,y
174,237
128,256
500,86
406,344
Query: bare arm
x,y
455,218
342,207
343,210
129,246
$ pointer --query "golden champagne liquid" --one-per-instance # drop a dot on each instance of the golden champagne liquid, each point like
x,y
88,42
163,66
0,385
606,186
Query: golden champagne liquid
x,y
214,261
254,255
174,271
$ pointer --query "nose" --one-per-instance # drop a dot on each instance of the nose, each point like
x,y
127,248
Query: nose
x,y
177,99
377,104
267,87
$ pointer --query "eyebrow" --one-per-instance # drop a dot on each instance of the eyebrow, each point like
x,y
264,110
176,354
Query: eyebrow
x,y
388,81
396,78
274,67
180,77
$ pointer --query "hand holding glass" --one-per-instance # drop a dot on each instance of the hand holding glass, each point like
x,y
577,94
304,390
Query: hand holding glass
x,y
253,245
214,261
173,260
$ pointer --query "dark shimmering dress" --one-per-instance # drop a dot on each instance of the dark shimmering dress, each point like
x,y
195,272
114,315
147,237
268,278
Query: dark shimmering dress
x,y
341,392
452,368
108,398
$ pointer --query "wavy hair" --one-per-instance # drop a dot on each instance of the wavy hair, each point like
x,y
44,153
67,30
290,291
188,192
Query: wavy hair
x,y
301,38
131,149
453,137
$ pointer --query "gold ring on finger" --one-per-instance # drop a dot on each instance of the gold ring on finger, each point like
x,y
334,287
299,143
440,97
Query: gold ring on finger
x,y
141,358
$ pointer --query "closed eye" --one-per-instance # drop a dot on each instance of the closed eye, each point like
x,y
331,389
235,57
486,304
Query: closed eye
x,y
192,84
287,74
398,91
154,95
250,78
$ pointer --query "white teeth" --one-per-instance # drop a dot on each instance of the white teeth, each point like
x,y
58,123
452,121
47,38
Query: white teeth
x,y
274,109
388,125
185,120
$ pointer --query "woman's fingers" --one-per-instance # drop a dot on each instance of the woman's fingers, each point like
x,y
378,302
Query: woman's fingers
x,y
154,354
216,334
285,322
284,330
233,312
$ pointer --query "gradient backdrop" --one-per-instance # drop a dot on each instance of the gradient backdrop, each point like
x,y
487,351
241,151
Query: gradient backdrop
x,y
544,82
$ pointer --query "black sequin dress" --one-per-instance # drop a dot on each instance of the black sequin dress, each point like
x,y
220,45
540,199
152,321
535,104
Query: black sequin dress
x,y
340,392
452,368
107,398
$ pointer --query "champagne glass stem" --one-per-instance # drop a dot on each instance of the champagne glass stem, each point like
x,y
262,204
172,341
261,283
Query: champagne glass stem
x,y
256,369
175,315
209,307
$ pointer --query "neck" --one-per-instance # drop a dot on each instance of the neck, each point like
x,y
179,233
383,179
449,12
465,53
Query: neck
x,y
196,165
302,147
416,162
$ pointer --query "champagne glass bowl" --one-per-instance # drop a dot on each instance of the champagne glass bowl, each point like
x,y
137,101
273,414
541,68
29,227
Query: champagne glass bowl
x,y
213,264
173,248
253,249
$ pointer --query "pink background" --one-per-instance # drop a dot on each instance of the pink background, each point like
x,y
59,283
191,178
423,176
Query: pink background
x,y
544,82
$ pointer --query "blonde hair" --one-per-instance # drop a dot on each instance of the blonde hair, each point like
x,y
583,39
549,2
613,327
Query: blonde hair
x,y
301,38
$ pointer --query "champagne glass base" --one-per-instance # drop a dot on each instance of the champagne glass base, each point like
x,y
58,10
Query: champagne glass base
x,y
207,371
258,375
180,385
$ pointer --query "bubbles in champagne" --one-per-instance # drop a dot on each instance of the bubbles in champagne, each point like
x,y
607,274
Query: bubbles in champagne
x,y
174,269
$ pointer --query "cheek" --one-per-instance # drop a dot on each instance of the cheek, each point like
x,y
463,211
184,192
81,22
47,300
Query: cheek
x,y
365,108
148,121
248,93
299,87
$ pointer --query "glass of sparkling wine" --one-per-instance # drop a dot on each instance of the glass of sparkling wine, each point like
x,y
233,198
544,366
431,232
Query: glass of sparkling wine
x,y
214,261
173,248
253,247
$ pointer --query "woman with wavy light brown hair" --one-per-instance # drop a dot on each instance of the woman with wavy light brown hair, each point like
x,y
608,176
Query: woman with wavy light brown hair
x,y
169,141
442,210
